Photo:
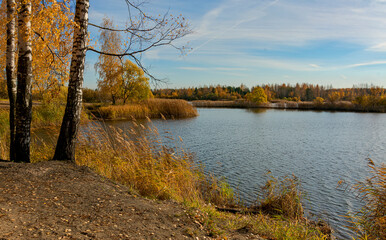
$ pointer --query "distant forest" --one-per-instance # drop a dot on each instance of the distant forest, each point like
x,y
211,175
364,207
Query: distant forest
x,y
289,92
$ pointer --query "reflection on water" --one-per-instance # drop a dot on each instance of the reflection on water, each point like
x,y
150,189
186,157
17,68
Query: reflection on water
x,y
257,110
320,148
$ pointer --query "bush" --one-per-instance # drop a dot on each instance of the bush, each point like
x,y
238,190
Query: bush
x,y
318,101
257,95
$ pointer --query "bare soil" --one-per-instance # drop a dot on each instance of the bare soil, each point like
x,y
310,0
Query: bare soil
x,y
59,200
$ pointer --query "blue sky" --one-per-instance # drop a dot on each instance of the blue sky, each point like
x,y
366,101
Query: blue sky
x,y
338,42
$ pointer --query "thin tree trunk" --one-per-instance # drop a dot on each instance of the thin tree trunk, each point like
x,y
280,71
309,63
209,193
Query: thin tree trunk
x,y
10,71
24,79
65,148
113,98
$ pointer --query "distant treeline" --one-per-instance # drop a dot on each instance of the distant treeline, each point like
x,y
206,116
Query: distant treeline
x,y
297,92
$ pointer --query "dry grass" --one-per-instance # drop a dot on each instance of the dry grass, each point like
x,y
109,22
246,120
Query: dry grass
x,y
281,197
51,114
226,104
45,115
152,108
141,162
370,222
4,129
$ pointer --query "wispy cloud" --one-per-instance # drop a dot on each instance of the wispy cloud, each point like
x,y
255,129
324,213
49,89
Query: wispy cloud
x,y
314,65
365,64
223,69
293,22
381,47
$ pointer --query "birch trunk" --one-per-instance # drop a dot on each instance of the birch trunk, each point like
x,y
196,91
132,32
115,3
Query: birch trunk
x,y
65,148
10,71
24,79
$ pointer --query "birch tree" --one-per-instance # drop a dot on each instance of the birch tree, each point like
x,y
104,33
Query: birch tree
x,y
65,148
24,84
144,32
10,71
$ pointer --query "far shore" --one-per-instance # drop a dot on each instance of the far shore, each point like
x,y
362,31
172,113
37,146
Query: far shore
x,y
344,106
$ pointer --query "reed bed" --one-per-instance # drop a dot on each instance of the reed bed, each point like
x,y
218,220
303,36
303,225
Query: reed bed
x,y
151,108
226,104
370,222
143,163
283,104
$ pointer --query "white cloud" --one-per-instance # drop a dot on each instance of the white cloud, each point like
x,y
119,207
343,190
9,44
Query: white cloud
x,y
365,64
314,65
194,68
222,69
381,47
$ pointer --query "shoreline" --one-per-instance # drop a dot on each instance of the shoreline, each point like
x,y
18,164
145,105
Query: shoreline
x,y
342,106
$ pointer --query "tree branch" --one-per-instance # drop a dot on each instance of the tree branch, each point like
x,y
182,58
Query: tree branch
x,y
52,52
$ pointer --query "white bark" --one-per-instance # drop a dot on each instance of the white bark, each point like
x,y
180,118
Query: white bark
x,y
10,71
24,84
65,148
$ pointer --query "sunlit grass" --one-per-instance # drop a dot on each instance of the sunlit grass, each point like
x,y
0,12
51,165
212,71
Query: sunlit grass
x,y
143,163
45,115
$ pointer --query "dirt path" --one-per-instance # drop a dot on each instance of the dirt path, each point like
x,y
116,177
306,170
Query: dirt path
x,y
59,200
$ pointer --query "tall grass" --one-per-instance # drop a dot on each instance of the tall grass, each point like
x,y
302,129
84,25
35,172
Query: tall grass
x,y
152,108
49,114
143,163
370,222
282,197
4,129
44,115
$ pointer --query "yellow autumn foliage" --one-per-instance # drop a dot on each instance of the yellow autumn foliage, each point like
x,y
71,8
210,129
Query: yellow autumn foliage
x,y
52,28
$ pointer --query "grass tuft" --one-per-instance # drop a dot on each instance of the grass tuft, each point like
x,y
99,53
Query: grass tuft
x,y
281,197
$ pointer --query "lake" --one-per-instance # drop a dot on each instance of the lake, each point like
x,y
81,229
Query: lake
x,y
320,148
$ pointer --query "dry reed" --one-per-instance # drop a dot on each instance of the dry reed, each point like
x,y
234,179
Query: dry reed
x,y
152,108
370,222
143,163
281,197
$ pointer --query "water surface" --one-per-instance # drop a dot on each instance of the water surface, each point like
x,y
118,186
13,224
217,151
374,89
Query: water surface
x,y
320,148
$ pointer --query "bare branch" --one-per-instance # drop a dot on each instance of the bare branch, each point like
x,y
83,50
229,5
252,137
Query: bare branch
x,y
145,32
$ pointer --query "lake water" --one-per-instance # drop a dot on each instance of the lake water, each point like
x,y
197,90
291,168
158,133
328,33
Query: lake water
x,y
320,148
